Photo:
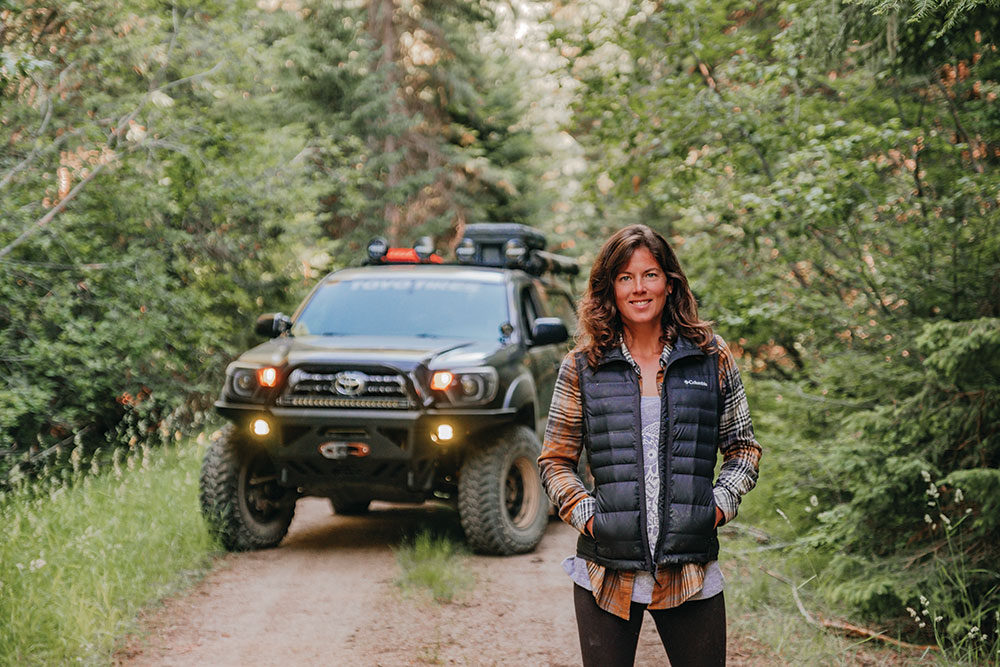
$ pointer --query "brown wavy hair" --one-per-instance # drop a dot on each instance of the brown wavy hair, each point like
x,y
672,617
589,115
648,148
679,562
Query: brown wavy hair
x,y
600,323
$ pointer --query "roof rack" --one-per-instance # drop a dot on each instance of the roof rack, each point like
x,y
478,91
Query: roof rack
x,y
499,244
511,245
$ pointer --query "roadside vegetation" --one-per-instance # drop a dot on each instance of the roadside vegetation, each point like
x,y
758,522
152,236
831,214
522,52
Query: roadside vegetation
x,y
86,549
434,564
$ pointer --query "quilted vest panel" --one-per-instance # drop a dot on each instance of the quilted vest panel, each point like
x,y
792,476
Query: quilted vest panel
x,y
688,446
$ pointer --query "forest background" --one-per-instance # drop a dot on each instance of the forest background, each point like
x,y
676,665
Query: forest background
x,y
826,170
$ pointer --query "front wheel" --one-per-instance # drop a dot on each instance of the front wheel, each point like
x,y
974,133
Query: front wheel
x,y
501,503
241,499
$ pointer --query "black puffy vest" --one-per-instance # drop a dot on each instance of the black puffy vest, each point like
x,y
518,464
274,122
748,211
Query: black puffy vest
x,y
688,444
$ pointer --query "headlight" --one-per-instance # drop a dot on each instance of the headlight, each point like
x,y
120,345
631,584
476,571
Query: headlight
x,y
246,382
466,386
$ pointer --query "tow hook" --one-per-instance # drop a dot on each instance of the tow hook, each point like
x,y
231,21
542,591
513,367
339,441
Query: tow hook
x,y
338,450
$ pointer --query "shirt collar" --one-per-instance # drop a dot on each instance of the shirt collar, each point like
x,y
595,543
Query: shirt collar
x,y
664,355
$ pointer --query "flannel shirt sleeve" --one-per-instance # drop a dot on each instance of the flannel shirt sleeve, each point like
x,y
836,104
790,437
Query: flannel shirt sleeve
x,y
561,449
740,450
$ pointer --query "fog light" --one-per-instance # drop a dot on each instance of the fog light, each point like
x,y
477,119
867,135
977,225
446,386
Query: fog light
x,y
260,427
445,432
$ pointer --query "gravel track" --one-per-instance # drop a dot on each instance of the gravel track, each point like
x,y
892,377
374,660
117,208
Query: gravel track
x,y
326,596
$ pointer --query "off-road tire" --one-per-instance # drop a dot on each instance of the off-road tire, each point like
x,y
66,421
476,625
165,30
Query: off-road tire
x,y
240,497
349,506
501,504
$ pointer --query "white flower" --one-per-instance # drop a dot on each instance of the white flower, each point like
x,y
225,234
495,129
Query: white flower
x,y
814,501
923,601
37,564
959,496
938,619
20,567
945,520
926,475
927,519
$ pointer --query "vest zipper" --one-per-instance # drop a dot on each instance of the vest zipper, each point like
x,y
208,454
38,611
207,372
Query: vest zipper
x,y
643,523
668,441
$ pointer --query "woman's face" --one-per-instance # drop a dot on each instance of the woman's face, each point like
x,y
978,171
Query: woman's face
x,y
641,289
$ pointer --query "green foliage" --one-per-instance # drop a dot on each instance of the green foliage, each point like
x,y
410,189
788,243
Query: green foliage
x,y
829,179
120,311
74,562
416,128
434,563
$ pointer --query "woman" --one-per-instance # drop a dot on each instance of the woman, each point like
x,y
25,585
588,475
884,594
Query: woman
x,y
651,394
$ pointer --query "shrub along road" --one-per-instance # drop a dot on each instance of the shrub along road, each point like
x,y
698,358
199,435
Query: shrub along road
x,y
327,596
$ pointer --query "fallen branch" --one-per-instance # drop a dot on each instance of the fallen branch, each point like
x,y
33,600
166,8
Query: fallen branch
x,y
849,628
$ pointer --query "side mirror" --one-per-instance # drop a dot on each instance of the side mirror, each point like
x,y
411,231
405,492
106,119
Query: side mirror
x,y
272,325
548,331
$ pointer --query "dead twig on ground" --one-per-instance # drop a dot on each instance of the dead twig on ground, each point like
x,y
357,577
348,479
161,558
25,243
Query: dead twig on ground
x,y
843,626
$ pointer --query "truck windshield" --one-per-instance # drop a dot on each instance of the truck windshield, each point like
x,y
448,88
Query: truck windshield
x,y
405,307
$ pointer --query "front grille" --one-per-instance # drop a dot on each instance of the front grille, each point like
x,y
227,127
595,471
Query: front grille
x,y
346,388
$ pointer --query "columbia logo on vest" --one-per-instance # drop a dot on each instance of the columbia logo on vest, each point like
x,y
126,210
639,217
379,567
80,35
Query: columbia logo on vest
x,y
697,382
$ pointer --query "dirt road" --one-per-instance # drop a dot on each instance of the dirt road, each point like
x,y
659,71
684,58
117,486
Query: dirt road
x,y
326,597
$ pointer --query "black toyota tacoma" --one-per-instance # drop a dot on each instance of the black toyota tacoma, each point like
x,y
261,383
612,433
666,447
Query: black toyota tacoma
x,y
406,379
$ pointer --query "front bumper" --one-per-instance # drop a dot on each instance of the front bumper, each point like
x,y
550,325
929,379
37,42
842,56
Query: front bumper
x,y
382,454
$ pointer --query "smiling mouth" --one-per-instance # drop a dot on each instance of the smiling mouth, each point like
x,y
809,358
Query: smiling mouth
x,y
642,303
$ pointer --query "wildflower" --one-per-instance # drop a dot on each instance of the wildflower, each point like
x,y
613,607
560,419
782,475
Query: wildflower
x,y
938,619
927,612
959,496
945,520
814,501
922,624
926,475
927,518
20,567
973,631
37,564
924,601
912,612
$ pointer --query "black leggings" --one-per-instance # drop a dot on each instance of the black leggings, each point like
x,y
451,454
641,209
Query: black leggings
x,y
693,634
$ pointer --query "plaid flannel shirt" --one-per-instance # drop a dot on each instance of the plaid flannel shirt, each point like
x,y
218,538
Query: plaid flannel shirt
x,y
561,451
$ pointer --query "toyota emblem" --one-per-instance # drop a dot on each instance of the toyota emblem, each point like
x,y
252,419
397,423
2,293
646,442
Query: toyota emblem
x,y
349,383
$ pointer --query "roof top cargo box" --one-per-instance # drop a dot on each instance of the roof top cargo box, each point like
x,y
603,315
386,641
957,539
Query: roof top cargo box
x,y
490,240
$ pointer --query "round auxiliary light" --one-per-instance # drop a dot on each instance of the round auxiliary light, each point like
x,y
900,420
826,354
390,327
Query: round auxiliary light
x,y
466,251
445,432
424,247
260,427
514,251
377,248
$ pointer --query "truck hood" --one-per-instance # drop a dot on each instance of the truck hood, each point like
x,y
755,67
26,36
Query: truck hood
x,y
403,353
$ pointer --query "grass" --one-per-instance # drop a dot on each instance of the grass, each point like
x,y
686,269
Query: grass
x,y
435,564
83,552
